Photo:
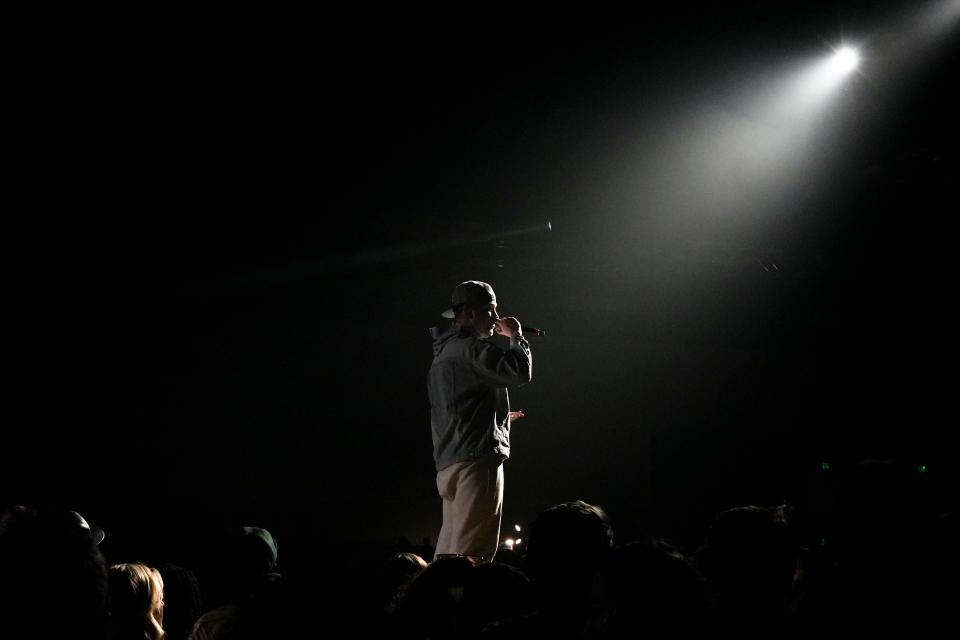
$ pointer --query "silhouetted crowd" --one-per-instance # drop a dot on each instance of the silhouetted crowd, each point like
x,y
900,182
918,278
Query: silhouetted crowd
x,y
885,564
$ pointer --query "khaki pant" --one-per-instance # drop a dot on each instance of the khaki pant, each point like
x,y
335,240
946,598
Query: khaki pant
x,y
472,494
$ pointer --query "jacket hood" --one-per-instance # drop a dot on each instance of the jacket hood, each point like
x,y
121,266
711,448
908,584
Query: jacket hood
x,y
444,333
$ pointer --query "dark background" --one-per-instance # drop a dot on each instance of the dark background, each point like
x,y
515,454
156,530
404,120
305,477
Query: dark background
x,y
226,237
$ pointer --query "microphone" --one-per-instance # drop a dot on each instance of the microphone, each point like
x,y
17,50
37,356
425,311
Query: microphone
x,y
525,330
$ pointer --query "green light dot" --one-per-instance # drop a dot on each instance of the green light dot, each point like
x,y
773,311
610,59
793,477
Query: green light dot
x,y
823,542
922,468
825,466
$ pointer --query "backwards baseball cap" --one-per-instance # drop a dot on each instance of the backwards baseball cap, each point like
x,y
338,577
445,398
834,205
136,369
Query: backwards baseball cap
x,y
470,292
95,532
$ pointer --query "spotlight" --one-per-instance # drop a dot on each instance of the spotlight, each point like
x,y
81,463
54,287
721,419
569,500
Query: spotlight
x,y
817,82
845,60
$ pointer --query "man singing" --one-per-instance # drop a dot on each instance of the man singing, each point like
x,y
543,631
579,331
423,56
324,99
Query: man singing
x,y
470,417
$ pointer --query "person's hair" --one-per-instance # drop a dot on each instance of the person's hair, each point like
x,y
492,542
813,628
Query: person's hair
x,y
136,601
183,600
570,528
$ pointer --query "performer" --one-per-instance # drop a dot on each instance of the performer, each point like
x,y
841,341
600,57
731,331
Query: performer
x,y
470,417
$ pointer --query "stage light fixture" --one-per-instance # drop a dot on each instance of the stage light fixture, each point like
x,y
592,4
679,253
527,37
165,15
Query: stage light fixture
x,y
845,59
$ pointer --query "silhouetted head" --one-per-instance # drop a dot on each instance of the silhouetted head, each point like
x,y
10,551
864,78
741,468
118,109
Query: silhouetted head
x,y
494,592
567,531
183,600
428,606
645,586
750,555
53,581
566,545
396,572
255,551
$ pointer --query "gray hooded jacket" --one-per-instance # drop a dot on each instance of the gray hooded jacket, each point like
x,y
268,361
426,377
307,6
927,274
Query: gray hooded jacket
x,y
467,386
